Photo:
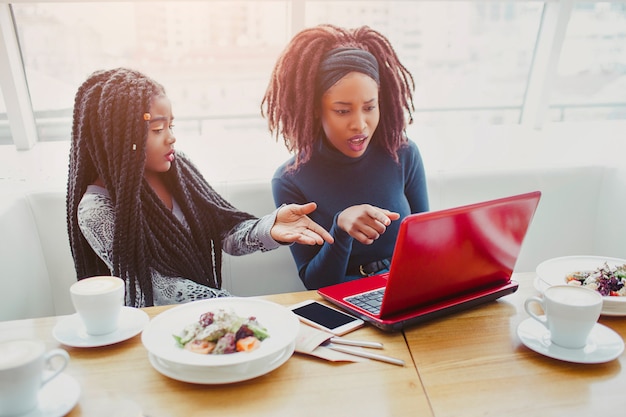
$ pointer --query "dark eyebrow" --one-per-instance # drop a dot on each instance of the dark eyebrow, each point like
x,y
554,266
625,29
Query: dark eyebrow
x,y
348,104
160,119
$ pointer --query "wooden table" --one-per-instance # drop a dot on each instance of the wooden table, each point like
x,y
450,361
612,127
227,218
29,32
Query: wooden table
x,y
119,381
473,364
467,364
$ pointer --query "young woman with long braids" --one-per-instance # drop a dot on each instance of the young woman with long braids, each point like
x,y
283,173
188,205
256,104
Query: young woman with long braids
x,y
341,100
137,210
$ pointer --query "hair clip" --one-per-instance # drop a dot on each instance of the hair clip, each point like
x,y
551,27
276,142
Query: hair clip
x,y
146,116
135,145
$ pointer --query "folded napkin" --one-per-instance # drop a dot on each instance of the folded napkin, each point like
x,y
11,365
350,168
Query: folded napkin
x,y
310,340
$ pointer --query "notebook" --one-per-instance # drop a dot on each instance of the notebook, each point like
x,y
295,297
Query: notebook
x,y
443,262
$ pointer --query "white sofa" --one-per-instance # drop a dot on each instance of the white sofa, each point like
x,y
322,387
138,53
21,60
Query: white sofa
x,y
581,212
37,267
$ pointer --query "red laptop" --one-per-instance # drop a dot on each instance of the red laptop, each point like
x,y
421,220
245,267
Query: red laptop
x,y
444,261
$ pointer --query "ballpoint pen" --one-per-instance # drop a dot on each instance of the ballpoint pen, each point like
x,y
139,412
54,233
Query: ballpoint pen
x,y
359,343
364,354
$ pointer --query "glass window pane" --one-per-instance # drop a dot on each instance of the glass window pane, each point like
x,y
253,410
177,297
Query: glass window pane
x,y
590,83
470,60
214,58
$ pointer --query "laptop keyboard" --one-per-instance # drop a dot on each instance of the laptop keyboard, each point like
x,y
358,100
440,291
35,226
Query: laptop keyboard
x,y
369,301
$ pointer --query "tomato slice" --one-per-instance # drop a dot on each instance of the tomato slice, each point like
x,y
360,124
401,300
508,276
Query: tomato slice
x,y
247,344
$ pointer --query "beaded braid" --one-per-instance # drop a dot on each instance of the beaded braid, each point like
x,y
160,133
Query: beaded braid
x,y
291,103
108,142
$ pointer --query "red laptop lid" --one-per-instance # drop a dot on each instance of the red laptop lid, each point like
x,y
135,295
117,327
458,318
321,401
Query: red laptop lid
x,y
446,253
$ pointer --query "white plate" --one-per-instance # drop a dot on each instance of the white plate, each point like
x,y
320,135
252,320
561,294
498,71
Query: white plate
x,y
281,323
553,272
56,398
608,308
71,331
222,375
603,344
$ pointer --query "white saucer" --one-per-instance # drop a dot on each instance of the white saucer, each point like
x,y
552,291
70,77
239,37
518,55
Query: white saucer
x,y
71,332
56,398
603,344
221,375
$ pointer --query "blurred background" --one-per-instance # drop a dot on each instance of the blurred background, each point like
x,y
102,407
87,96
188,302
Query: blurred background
x,y
477,64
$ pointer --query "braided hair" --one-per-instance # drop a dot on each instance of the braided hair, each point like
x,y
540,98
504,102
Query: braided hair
x,y
108,142
291,101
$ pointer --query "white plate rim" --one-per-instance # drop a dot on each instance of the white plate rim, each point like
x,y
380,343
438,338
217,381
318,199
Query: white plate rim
x,y
272,364
597,261
609,303
162,344
70,331
532,334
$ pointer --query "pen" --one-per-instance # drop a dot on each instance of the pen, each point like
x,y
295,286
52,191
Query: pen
x,y
340,341
368,355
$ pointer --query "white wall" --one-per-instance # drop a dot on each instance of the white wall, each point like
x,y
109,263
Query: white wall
x,y
251,155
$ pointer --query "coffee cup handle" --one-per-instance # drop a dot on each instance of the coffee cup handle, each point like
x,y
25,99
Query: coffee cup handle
x,y
49,356
532,314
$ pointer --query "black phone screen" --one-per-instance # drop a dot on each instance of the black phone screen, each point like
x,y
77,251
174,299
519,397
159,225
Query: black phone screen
x,y
323,315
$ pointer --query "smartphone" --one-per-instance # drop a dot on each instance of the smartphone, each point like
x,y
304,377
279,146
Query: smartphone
x,y
326,318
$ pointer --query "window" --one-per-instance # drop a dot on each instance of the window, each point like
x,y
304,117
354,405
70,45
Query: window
x,y
214,58
470,60
591,75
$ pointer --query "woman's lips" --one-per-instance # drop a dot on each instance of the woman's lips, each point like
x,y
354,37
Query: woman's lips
x,y
170,156
356,143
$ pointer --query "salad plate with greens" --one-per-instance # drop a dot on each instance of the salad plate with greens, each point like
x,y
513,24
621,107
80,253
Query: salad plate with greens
x,y
606,275
220,332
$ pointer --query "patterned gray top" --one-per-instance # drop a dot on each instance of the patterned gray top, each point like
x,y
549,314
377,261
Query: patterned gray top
x,y
96,219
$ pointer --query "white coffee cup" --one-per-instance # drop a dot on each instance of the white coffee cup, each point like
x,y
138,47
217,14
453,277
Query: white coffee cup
x,y
98,301
570,313
22,365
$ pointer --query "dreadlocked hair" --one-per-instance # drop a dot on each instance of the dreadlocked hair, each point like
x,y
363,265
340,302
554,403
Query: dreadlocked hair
x,y
108,142
291,101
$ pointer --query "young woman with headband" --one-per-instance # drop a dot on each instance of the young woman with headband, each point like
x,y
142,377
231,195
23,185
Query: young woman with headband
x,y
138,210
341,100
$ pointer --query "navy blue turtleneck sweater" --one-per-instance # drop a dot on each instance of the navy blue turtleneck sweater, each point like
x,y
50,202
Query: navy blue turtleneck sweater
x,y
335,181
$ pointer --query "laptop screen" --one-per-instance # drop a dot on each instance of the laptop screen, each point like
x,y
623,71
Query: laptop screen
x,y
444,253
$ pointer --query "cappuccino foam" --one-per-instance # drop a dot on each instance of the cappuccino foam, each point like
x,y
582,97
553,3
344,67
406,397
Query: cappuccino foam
x,y
574,296
96,285
16,353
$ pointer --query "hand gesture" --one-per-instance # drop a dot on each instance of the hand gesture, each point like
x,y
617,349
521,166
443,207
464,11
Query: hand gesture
x,y
365,223
293,225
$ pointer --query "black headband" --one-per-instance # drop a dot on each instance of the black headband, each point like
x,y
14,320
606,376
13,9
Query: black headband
x,y
340,61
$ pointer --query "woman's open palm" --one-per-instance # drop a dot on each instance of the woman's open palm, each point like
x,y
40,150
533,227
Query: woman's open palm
x,y
294,225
